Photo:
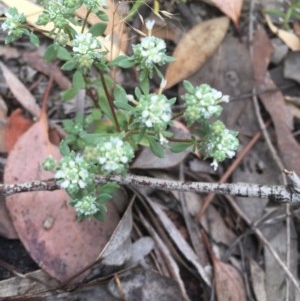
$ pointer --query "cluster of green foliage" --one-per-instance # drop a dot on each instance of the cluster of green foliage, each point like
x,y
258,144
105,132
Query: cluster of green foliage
x,y
120,122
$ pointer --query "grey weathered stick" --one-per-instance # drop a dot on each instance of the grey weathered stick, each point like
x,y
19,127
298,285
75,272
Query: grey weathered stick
x,y
275,193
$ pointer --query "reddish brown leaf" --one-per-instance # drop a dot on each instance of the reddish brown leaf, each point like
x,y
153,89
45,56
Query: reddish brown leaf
x,y
194,49
228,281
16,126
45,222
274,102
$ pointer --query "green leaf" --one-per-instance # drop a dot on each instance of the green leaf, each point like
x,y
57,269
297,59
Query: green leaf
x,y
134,8
98,29
103,197
94,138
63,54
78,80
34,40
100,215
109,188
123,105
121,61
70,93
188,86
96,114
145,86
179,147
156,148
120,93
70,31
68,66
68,125
50,53
64,148
137,92
102,15
79,119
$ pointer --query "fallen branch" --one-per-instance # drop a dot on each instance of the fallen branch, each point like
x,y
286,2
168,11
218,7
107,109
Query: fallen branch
x,y
275,193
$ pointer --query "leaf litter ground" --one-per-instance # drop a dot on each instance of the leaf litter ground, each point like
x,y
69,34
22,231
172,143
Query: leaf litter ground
x,y
224,61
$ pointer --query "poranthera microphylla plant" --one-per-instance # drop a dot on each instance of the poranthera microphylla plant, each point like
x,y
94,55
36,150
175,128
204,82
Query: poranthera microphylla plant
x,y
144,118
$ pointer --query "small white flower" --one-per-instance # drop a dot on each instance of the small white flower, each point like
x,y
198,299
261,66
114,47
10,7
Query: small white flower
x,y
148,123
162,139
86,206
225,98
114,155
214,164
73,173
150,24
130,98
163,84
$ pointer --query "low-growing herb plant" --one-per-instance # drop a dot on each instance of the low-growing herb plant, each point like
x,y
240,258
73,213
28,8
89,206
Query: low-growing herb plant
x,y
290,13
144,118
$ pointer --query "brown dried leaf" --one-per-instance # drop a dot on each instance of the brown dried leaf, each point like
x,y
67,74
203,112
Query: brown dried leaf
x,y
289,38
194,49
228,281
258,280
180,242
231,8
16,126
46,224
3,120
274,102
9,52
20,92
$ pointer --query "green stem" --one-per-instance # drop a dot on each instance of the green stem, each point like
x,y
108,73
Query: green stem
x,y
110,101
90,93
175,116
179,140
85,20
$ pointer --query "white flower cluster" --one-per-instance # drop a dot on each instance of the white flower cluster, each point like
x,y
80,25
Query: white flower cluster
x,y
203,103
13,22
220,143
86,43
86,207
150,52
60,12
73,173
154,111
86,50
113,155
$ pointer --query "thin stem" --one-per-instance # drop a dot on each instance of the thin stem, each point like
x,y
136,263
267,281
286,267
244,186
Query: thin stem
x,y
110,101
177,115
85,20
179,140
